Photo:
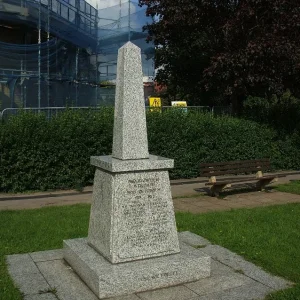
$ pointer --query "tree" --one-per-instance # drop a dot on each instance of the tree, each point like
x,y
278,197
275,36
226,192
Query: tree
x,y
226,48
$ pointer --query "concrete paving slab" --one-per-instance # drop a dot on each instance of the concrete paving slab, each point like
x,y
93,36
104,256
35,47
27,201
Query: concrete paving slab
x,y
26,274
218,283
129,297
21,264
30,283
237,263
67,284
18,258
193,239
171,293
245,292
219,269
47,296
46,255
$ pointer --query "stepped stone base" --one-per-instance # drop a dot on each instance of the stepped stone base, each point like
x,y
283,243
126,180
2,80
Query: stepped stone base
x,y
109,280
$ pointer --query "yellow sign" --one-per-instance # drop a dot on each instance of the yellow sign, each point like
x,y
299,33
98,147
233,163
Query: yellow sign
x,y
179,103
154,102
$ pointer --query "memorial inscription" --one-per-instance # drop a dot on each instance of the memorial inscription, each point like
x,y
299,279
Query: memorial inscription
x,y
145,225
159,275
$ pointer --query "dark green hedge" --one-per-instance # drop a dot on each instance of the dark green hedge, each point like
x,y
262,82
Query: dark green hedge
x,y
37,154
281,113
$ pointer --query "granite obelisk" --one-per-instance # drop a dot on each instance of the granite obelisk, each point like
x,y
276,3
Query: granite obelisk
x,y
130,131
141,222
132,243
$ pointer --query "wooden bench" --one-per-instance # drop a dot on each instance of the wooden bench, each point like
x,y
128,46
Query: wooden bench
x,y
237,167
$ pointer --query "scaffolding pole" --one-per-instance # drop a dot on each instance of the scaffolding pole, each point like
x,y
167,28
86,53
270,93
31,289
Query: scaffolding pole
x,y
24,65
48,51
96,25
76,75
21,85
120,14
39,56
129,8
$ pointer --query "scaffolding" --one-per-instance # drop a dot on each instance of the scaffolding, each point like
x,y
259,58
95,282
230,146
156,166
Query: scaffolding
x,y
64,52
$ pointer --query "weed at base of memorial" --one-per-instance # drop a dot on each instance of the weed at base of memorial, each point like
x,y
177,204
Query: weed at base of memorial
x,y
51,290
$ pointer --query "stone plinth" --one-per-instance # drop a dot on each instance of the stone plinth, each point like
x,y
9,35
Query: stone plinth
x,y
132,214
111,280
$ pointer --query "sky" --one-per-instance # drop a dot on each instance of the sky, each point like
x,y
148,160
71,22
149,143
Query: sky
x,y
108,3
110,26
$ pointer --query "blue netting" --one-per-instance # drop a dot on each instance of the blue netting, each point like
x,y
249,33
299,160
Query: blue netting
x,y
81,49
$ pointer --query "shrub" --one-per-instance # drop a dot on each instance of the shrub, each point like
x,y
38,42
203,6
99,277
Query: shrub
x,y
37,154
191,139
282,113
41,154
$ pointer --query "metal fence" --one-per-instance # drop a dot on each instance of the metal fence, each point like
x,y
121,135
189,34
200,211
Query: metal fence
x,y
54,111
49,112
221,110
190,109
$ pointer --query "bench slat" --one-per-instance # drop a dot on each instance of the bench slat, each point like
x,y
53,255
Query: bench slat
x,y
253,166
267,177
236,171
234,167
218,183
234,162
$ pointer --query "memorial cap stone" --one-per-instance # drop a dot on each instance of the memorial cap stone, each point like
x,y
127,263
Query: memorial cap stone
x,y
130,130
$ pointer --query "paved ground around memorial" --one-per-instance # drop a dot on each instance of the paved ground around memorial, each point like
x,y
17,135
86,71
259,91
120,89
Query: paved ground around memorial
x,y
45,276
188,195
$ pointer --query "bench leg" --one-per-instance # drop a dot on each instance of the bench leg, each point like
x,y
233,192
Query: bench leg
x,y
214,192
216,189
260,184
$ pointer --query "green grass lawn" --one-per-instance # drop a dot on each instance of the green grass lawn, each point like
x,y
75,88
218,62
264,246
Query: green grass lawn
x,y
291,187
268,236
